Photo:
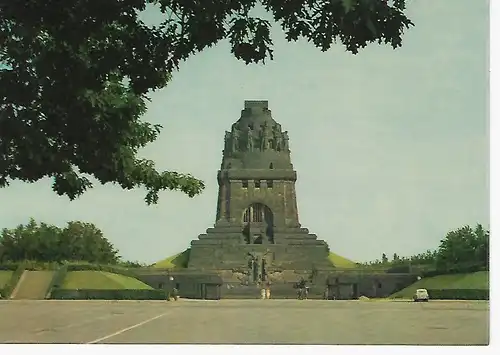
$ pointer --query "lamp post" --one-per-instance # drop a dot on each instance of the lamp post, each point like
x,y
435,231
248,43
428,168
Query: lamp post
x,y
173,289
171,283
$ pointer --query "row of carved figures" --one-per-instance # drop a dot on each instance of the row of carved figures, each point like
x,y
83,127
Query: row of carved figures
x,y
250,139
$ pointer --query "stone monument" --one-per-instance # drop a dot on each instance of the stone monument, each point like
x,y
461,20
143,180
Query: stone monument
x,y
257,241
257,231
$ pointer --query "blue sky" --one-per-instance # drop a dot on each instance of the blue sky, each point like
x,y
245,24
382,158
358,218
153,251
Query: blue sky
x,y
391,146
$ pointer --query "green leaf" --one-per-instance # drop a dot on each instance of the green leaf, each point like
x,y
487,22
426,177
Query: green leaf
x,y
371,27
348,5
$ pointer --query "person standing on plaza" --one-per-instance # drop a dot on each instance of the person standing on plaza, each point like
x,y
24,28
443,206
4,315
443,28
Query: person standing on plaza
x,y
262,293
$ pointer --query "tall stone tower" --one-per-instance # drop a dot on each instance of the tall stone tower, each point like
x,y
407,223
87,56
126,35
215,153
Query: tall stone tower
x,y
257,223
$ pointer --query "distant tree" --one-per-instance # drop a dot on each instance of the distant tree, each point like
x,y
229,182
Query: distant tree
x,y
24,242
75,75
131,264
483,245
84,241
464,247
78,241
427,258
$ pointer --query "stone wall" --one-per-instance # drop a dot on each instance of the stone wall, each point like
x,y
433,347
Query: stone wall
x,y
372,285
340,285
280,199
220,256
188,284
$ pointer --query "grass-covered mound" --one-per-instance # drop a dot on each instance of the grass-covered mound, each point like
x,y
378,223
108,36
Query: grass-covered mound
x,y
341,262
177,261
100,280
5,276
476,280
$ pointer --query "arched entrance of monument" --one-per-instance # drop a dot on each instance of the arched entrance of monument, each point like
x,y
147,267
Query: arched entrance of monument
x,y
258,221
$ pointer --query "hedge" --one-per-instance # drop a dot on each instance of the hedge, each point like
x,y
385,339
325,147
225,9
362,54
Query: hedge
x,y
9,267
130,294
57,280
459,294
456,269
413,268
33,265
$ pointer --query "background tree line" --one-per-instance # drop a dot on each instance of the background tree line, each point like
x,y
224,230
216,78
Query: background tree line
x,y
460,249
77,241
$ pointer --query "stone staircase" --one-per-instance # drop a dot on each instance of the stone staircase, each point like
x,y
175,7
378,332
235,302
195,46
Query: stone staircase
x,y
32,285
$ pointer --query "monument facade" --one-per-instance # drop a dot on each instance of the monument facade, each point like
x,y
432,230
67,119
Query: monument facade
x,y
257,235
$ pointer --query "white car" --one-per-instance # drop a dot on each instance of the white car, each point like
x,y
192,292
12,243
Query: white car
x,y
421,295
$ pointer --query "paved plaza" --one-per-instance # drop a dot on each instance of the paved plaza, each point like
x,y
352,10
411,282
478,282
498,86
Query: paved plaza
x,y
245,322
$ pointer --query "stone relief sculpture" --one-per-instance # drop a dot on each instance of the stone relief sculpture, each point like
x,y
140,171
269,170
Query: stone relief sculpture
x,y
250,138
227,142
277,138
234,140
260,138
254,266
257,266
286,147
264,137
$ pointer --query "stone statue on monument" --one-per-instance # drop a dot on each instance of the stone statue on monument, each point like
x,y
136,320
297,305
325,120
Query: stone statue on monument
x,y
252,266
257,265
227,142
250,138
277,138
234,139
264,133
286,146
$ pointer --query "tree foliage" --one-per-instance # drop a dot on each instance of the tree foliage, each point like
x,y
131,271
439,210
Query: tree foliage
x,y
74,76
462,248
78,241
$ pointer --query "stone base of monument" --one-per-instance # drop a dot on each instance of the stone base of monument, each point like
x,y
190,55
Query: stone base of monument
x,y
325,284
278,291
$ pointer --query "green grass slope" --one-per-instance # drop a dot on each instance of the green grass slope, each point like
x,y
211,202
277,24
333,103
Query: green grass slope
x,y
341,262
177,261
475,280
5,276
100,280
